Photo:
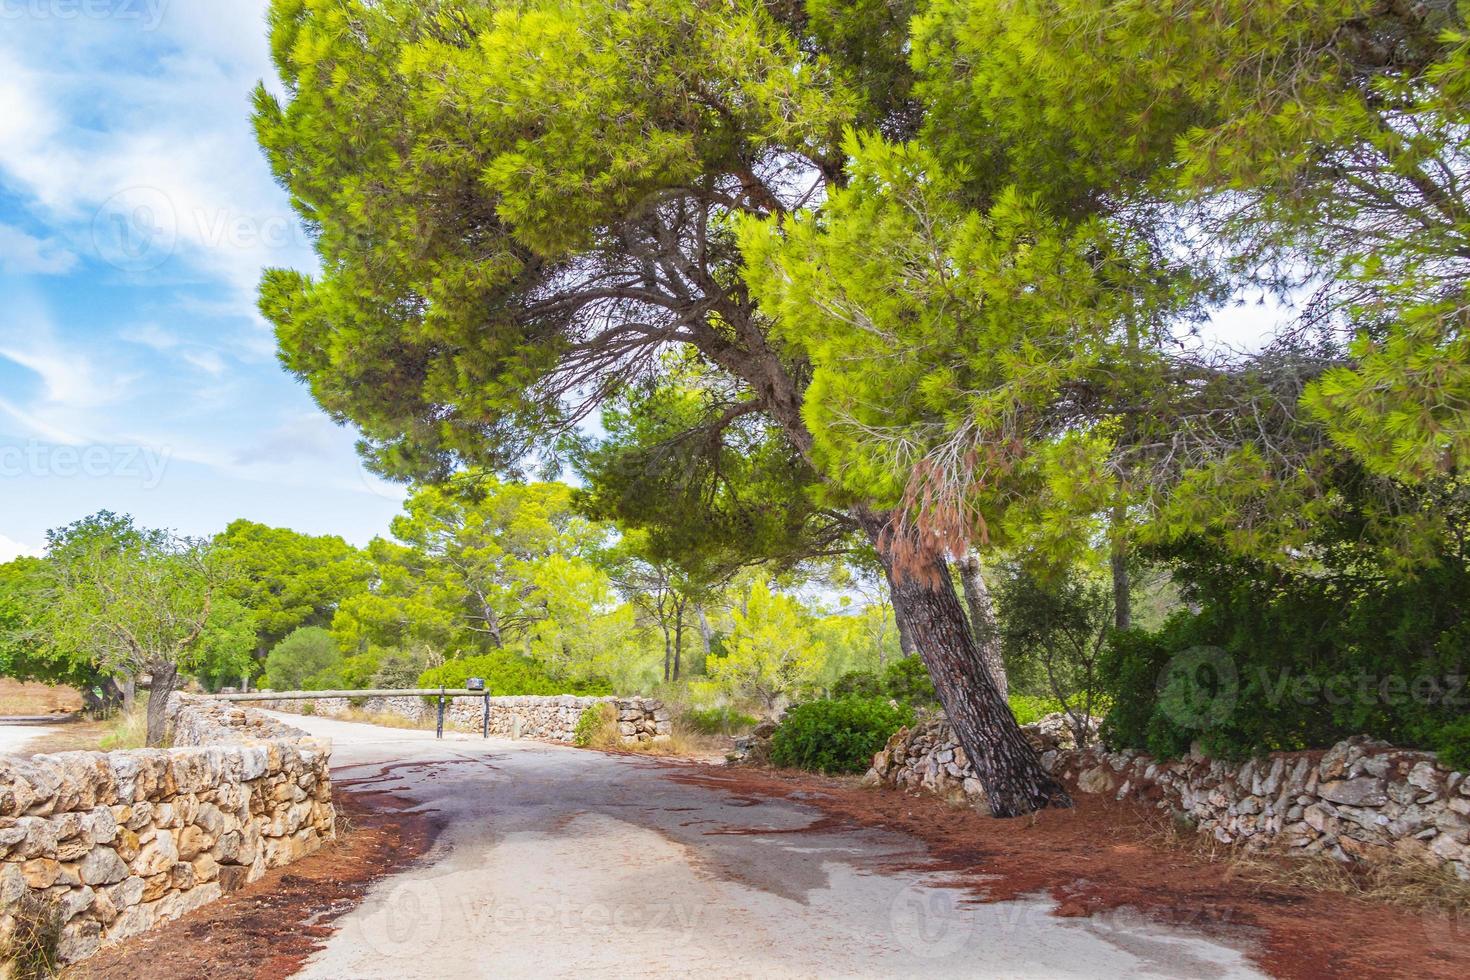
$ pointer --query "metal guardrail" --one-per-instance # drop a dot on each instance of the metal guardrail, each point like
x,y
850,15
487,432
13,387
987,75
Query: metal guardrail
x,y
441,693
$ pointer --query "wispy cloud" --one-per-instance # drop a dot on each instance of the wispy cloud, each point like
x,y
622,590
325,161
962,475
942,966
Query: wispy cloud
x,y
23,254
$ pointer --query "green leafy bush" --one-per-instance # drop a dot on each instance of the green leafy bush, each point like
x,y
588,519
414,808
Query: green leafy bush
x,y
1452,742
1282,660
907,680
597,728
718,721
306,660
1033,707
505,673
839,735
858,683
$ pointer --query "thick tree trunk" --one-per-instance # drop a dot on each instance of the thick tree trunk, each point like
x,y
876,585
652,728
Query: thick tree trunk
x,y
1008,768
165,679
982,620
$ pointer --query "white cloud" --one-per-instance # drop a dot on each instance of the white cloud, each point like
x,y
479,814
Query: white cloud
x,y
22,254
11,550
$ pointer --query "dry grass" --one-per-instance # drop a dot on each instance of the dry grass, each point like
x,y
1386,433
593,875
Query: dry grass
x,y
30,952
126,731
30,698
1403,881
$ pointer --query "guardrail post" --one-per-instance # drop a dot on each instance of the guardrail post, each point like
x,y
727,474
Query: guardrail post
x,y
487,714
439,730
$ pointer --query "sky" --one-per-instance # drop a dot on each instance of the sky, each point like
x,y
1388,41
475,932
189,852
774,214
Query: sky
x,y
136,214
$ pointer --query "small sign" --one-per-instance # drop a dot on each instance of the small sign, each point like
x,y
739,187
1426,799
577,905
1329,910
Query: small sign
x,y
475,684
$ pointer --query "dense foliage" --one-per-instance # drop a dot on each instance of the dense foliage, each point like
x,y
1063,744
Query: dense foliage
x,y
836,735
1300,656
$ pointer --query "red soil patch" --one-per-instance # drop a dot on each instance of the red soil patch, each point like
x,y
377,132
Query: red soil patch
x,y
1105,855
266,930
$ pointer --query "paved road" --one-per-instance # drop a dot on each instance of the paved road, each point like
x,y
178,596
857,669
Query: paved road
x,y
560,862
14,738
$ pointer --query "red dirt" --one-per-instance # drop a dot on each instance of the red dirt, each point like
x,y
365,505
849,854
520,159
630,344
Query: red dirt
x,y
1105,855
266,930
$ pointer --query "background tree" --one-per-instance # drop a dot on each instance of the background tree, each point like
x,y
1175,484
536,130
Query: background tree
x,y
306,660
287,579
134,600
502,253
769,654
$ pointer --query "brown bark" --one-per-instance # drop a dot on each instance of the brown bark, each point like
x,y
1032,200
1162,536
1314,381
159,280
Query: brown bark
x,y
1122,581
982,620
165,680
1008,768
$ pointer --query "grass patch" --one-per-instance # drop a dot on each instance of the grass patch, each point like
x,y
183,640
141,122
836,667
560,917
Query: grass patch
x,y
598,728
717,721
30,952
126,731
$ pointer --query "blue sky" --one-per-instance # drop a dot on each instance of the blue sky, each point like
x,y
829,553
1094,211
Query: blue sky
x,y
136,213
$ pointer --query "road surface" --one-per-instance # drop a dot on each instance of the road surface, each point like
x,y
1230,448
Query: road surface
x,y
14,738
559,862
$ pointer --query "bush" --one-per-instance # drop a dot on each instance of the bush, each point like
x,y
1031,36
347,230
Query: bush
x,y
1282,660
838,735
1029,708
717,721
907,680
306,660
858,683
1452,743
505,673
597,728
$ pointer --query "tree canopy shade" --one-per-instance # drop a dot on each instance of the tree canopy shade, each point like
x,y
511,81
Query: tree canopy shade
x,y
521,208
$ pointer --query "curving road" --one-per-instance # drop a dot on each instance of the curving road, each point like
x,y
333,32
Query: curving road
x,y
560,862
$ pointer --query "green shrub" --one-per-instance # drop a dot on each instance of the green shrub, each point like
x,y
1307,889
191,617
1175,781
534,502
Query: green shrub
x,y
718,721
907,680
839,735
858,683
1452,743
597,728
1029,708
505,673
306,660
1286,660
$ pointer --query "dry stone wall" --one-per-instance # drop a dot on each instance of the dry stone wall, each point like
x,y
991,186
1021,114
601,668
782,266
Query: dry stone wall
x,y
115,842
551,718
1361,799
